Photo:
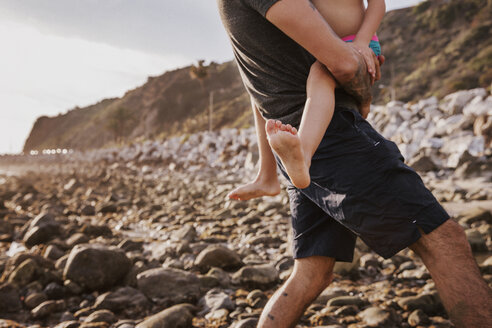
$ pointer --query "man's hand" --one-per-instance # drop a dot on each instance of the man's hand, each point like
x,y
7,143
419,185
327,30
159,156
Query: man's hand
x,y
367,53
359,84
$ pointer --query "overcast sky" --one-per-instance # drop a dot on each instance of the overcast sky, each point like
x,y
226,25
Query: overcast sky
x,y
58,54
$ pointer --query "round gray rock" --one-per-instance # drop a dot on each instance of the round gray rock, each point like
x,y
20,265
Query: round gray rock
x,y
376,317
347,300
256,276
122,298
96,266
215,299
101,316
218,256
24,273
9,298
417,318
177,316
168,285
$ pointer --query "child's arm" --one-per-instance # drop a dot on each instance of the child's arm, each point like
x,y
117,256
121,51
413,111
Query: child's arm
x,y
372,18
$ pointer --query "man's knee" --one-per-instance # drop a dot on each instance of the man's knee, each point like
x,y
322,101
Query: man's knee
x,y
449,236
315,270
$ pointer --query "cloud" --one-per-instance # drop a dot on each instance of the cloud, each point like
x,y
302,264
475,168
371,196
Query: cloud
x,y
185,27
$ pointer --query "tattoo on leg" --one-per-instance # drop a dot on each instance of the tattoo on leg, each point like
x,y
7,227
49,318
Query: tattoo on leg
x,y
285,294
271,317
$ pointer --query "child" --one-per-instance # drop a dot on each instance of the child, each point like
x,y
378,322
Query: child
x,y
353,23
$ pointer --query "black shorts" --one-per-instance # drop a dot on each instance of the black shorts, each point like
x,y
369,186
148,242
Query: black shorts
x,y
360,186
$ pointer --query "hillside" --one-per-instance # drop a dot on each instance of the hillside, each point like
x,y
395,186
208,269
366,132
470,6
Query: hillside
x,y
434,48
173,103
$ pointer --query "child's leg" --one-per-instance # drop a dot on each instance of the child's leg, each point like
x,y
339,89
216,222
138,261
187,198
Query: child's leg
x,y
318,111
266,182
296,149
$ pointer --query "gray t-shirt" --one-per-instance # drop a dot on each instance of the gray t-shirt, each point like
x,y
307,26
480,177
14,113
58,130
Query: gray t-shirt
x,y
273,67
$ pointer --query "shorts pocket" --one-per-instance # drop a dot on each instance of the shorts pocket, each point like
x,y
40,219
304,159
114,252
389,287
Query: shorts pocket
x,y
342,123
359,125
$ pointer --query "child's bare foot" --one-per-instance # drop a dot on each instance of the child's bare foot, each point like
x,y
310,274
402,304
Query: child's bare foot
x,y
285,141
255,189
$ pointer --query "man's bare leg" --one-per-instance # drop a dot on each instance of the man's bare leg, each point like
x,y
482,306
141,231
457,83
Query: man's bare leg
x,y
296,149
310,276
266,181
464,294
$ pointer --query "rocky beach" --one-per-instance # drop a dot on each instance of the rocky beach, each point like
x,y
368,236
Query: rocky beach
x,y
143,235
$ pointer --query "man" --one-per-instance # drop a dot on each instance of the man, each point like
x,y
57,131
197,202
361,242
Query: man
x,y
360,186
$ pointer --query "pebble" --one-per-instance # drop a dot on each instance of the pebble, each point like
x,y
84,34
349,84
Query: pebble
x,y
260,276
48,307
101,315
347,300
245,323
122,298
376,317
9,298
417,318
218,256
215,299
177,316
424,302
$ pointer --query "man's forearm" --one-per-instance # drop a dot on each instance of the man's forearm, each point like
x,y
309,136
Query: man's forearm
x,y
301,21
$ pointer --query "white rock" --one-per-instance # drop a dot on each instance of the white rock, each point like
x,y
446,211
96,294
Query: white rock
x,y
429,102
390,130
464,141
479,107
408,151
421,124
432,113
432,143
418,135
455,102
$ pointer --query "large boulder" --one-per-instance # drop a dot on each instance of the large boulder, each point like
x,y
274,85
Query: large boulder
x,y
169,286
96,266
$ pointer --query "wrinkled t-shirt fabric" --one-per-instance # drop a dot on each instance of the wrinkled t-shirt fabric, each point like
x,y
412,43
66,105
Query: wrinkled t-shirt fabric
x,y
273,67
